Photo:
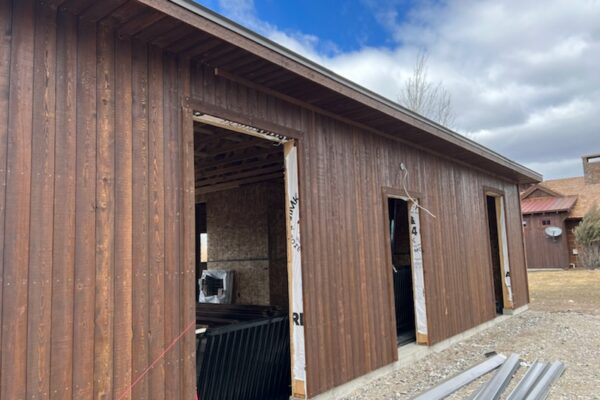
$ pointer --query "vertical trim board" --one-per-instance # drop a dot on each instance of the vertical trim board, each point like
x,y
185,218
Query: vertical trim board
x,y
105,208
173,242
188,281
42,205
61,348
17,206
156,238
295,269
5,64
505,261
123,250
85,218
140,228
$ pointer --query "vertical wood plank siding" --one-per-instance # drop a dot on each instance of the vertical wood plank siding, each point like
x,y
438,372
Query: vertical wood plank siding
x,y
5,57
187,270
105,209
347,284
543,251
157,221
139,85
18,200
63,268
93,285
124,235
42,210
85,215
96,216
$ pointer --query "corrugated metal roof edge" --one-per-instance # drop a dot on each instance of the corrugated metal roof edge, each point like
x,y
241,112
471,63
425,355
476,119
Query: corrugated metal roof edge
x,y
560,210
568,199
263,41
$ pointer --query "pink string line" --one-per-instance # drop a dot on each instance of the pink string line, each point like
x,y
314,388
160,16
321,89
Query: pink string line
x,y
139,378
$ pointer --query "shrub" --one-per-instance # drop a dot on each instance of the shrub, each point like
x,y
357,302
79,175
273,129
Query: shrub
x,y
587,236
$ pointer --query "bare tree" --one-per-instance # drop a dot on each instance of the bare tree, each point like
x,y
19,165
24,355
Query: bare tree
x,y
429,99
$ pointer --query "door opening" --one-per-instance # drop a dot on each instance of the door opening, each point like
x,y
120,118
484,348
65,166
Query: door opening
x,y
496,248
243,300
400,237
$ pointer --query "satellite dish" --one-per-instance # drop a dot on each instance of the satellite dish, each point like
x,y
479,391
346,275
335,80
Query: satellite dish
x,y
553,231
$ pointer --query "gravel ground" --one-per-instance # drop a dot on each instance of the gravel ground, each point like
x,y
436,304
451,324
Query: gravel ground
x,y
566,329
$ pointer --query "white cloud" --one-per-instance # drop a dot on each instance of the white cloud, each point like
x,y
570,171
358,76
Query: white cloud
x,y
310,46
524,75
560,168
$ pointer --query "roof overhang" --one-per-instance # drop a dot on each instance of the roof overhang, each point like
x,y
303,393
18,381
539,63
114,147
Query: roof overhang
x,y
208,21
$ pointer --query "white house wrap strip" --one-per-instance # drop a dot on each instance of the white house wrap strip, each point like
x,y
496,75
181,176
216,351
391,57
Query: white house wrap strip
x,y
239,127
291,183
417,271
506,264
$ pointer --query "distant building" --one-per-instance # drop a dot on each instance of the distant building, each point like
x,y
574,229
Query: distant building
x,y
560,203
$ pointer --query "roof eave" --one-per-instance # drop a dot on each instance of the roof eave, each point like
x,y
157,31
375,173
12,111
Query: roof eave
x,y
525,175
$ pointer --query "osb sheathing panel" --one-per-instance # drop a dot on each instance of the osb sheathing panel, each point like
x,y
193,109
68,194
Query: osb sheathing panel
x,y
246,235
251,280
278,281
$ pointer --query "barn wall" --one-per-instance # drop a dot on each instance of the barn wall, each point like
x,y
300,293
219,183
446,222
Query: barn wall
x,y
543,251
93,267
96,210
347,283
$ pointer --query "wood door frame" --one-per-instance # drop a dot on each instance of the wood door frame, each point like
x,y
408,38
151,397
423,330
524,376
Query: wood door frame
x,y
292,140
500,205
395,193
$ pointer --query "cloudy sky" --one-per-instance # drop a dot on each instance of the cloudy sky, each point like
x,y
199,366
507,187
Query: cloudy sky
x,y
524,75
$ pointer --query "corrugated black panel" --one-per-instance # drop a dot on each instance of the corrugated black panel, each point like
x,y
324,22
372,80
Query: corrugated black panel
x,y
245,361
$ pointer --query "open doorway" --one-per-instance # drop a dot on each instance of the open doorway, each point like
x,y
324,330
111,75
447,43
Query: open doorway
x,y
242,311
496,250
201,241
399,225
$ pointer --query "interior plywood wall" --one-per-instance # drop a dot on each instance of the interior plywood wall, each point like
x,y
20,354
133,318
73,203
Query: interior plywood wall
x,y
246,233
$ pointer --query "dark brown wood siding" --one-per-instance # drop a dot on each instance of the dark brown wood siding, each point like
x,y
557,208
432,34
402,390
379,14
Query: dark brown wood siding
x,y
96,210
347,283
95,283
543,251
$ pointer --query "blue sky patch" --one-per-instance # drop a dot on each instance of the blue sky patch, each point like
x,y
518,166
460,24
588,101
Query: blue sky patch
x,y
340,26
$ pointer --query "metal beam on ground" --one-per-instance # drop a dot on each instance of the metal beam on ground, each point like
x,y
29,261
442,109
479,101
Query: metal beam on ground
x,y
495,386
525,385
542,387
453,384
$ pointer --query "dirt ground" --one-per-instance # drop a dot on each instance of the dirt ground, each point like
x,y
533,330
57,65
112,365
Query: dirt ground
x,y
563,323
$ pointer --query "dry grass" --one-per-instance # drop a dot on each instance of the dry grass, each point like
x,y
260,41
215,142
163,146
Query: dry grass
x,y
573,290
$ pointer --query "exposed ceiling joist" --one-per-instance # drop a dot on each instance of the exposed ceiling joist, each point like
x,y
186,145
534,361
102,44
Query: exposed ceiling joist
x,y
240,175
243,157
224,159
234,184
211,173
229,149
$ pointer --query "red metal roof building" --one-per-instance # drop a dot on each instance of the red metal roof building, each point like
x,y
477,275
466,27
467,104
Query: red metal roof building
x,y
558,203
542,205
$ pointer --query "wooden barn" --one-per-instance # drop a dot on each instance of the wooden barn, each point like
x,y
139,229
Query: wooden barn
x,y
148,146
